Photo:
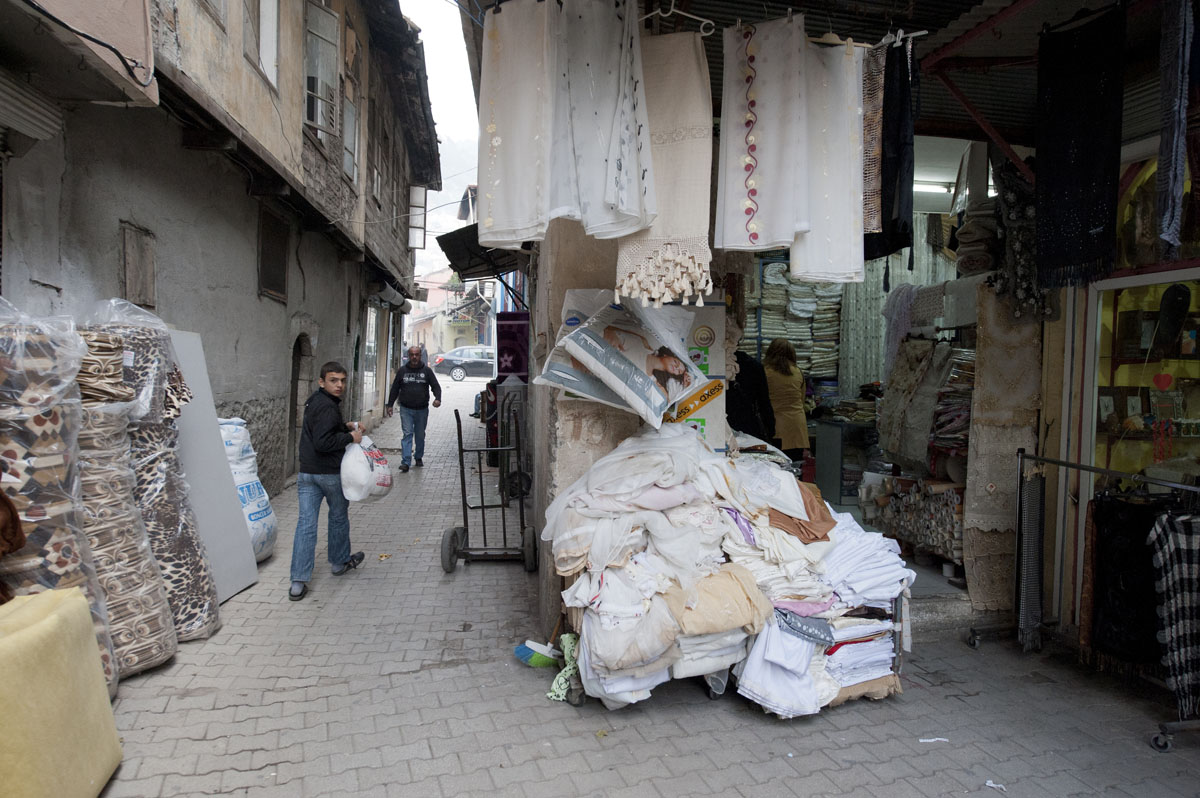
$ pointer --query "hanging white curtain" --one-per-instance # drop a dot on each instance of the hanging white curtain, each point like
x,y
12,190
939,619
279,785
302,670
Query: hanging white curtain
x,y
563,125
762,184
832,249
861,353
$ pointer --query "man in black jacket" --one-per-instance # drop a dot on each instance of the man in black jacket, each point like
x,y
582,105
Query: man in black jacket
x,y
411,387
323,440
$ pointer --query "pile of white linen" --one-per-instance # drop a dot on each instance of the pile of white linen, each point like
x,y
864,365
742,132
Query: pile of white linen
x,y
646,533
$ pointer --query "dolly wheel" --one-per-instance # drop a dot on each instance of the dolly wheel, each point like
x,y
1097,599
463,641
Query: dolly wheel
x,y
1162,743
529,549
452,540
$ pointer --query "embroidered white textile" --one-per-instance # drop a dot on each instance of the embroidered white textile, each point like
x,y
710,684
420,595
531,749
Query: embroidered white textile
x,y
762,186
670,260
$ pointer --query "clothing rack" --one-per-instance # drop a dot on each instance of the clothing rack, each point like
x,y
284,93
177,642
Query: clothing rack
x,y
1030,529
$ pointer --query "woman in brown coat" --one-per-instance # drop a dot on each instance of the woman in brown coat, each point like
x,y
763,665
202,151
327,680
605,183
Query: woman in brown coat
x,y
786,386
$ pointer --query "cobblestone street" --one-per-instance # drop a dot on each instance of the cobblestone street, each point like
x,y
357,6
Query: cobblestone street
x,y
399,680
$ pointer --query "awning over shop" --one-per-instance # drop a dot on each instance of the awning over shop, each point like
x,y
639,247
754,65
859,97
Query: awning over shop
x,y
474,262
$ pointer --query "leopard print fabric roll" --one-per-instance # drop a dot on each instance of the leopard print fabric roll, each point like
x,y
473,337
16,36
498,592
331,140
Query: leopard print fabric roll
x,y
39,470
139,613
162,497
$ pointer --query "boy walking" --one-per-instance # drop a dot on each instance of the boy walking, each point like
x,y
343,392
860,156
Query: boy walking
x,y
323,440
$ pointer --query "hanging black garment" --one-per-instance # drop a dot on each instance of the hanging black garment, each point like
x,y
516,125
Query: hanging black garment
x,y
1080,94
896,168
748,402
1125,614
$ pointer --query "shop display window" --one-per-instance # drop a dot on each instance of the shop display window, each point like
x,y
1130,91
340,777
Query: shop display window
x,y
1148,381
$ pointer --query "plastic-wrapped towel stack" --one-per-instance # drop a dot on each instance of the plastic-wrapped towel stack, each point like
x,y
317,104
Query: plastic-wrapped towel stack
x,y
139,613
39,465
645,534
826,330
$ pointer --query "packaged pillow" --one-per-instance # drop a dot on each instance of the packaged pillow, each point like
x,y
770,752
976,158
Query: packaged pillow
x,y
640,355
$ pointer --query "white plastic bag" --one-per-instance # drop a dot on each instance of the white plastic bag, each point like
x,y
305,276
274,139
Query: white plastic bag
x,y
256,505
366,476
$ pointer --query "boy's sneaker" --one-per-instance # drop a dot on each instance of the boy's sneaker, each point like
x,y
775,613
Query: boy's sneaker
x,y
355,560
418,463
297,591
403,468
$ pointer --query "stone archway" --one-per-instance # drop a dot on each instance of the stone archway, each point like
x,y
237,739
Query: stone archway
x,y
300,387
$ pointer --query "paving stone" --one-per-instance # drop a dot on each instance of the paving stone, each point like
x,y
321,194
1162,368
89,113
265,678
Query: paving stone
x,y
399,680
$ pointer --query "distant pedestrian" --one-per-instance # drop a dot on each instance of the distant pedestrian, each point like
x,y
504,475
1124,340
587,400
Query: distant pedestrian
x,y
787,388
323,440
411,387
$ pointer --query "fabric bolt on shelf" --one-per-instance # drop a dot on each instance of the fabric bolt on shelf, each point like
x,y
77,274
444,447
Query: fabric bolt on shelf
x,y
162,499
139,614
53,700
1175,541
831,250
1079,108
762,187
670,259
12,537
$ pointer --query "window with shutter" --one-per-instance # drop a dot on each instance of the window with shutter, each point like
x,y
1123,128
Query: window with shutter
x,y
274,234
321,71
416,217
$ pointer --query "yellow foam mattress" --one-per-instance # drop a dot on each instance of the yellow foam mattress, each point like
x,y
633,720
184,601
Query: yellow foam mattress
x,y
59,736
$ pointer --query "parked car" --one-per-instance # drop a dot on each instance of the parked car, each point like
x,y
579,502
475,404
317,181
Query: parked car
x,y
466,361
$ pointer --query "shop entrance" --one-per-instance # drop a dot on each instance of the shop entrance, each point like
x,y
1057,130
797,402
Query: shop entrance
x,y
301,385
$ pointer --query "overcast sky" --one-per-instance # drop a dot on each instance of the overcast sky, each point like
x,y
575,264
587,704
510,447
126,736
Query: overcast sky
x,y
454,113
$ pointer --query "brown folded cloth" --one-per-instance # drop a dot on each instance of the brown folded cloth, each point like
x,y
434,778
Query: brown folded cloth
x,y
12,537
819,522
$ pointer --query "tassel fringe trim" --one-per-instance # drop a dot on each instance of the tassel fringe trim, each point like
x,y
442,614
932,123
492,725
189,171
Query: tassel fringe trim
x,y
657,271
